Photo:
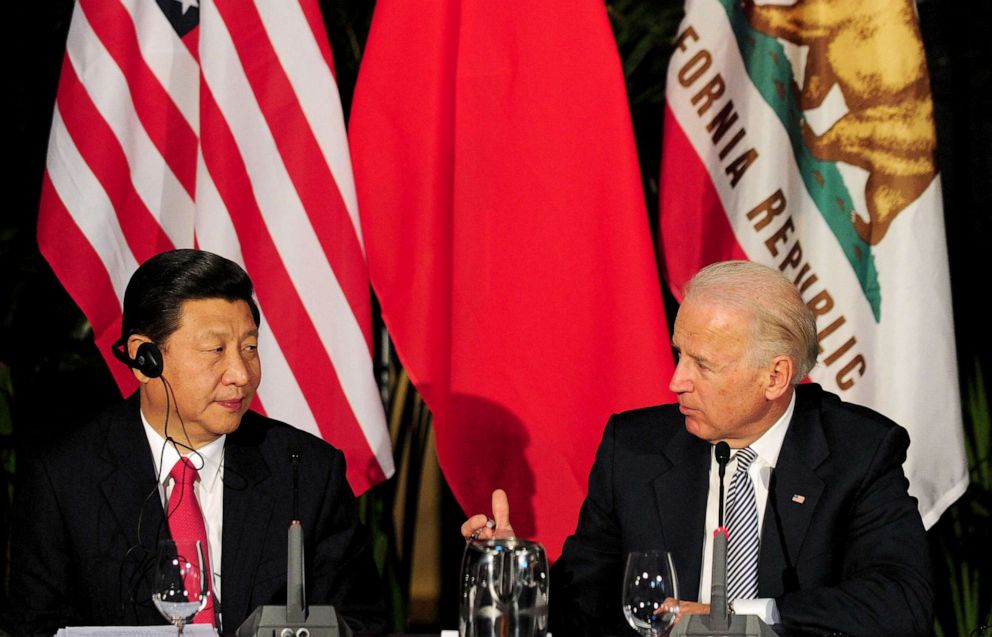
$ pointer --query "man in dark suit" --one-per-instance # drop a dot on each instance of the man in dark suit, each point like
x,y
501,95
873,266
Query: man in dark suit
x,y
92,508
841,544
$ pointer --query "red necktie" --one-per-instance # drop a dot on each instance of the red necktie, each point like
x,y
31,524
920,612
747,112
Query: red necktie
x,y
187,528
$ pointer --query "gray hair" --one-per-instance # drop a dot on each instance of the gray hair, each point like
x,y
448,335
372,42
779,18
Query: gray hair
x,y
781,322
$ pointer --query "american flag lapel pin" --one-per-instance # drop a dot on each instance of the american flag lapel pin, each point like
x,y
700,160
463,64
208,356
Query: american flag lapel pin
x,y
798,499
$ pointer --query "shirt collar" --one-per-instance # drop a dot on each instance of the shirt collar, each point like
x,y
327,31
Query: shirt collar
x,y
769,444
208,459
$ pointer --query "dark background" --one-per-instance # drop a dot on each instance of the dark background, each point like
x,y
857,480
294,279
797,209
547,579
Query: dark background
x,y
52,377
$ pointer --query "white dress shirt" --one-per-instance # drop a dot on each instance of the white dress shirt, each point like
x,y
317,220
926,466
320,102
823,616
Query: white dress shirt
x,y
209,463
767,447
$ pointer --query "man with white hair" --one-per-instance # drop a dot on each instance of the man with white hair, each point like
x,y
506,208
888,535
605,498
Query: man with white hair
x,y
823,533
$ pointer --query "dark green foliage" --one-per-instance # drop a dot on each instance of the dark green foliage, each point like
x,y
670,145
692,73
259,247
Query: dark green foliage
x,y
644,32
960,540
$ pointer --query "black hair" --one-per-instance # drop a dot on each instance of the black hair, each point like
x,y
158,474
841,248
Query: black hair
x,y
157,289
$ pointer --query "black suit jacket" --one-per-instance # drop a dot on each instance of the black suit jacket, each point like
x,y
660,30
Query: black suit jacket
x,y
88,519
852,557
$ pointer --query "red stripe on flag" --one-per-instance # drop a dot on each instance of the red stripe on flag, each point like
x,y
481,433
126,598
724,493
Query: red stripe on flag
x,y
302,157
80,269
695,230
316,21
161,119
192,43
104,155
290,323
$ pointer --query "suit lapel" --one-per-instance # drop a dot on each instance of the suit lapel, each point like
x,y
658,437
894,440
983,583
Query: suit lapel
x,y
793,496
129,493
680,493
247,509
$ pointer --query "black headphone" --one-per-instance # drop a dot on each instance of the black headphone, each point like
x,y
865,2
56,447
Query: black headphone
x,y
147,360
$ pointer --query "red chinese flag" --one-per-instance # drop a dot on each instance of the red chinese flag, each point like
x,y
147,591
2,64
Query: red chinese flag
x,y
507,241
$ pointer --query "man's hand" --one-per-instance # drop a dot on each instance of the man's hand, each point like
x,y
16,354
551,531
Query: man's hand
x,y
685,608
478,527
693,608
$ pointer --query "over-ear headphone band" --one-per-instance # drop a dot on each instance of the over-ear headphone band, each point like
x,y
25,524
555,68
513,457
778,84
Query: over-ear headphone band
x,y
147,360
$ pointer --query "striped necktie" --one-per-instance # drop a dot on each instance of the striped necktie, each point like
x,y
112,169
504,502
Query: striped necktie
x,y
742,524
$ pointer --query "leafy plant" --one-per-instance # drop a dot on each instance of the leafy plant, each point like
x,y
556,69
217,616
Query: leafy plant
x,y
409,429
960,540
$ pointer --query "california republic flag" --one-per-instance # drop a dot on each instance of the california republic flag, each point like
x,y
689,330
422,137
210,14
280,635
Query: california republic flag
x,y
801,136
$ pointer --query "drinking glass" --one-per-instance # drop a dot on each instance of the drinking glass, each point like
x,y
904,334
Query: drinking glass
x,y
650,593
181,587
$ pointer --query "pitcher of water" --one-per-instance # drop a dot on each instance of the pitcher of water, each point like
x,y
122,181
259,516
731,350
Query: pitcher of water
x,y
504,589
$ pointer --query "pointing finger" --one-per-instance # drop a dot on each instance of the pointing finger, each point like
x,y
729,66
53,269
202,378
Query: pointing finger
x,y
501,510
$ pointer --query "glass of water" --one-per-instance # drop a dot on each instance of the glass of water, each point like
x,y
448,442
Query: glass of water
x,y
181,587
650,593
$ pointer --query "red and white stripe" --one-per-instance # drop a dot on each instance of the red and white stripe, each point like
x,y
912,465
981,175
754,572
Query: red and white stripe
x,y
230,139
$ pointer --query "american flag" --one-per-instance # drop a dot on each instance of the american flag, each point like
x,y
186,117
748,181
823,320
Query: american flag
x,y
218,124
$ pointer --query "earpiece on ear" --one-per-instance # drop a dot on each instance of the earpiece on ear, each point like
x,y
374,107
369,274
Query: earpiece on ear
x,y
148,360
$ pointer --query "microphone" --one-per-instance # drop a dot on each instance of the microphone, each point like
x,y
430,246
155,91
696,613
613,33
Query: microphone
x,y
720,623
295,455
722,458
296,595
295,619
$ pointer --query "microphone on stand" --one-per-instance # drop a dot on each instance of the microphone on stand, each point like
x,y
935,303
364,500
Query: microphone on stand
x,y
720,623
295,619
722,453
